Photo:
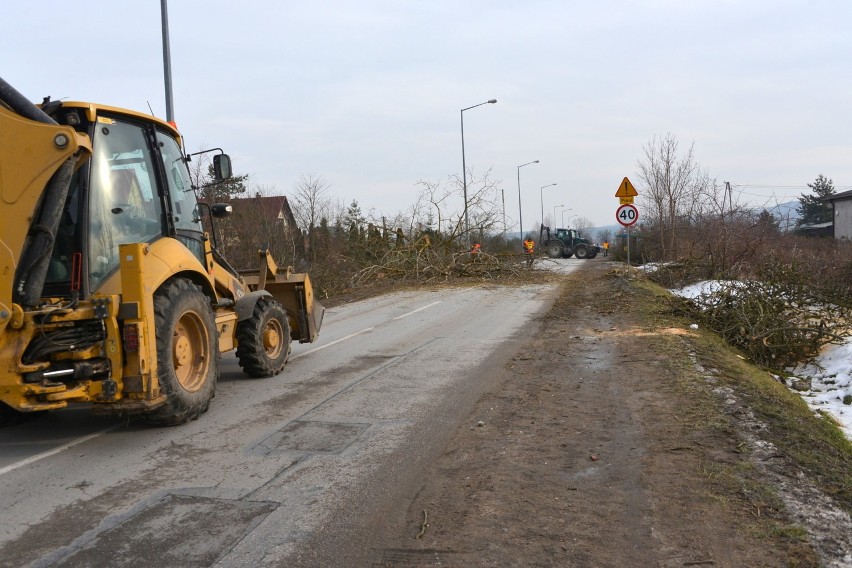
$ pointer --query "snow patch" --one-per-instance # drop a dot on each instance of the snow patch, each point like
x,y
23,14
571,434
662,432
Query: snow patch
x,y
830,374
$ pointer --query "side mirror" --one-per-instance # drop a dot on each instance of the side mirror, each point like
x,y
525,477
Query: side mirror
x,y
221,210
221,167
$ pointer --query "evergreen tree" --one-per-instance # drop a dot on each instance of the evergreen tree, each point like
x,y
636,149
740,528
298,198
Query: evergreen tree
x,y
812,209
213,192
768,222
354,215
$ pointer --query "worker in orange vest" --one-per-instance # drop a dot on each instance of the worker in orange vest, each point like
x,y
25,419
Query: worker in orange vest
x,y
606,247
529,250
474,250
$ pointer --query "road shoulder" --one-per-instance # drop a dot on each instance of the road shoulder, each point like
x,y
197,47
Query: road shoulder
x,y
605,444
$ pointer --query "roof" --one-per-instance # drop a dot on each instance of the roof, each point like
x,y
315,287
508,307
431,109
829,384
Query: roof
x,y
270,208
839,196
91,110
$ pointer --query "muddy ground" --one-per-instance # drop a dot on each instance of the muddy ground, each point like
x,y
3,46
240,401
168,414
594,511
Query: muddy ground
x,y
607,443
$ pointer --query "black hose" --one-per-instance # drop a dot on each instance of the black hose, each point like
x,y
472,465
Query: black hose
x,y
61,341
21,104
35,260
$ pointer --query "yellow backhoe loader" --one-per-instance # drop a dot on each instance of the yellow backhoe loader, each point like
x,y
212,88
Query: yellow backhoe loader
x,y
111,293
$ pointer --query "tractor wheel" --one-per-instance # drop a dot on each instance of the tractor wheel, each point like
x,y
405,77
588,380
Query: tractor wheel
x,y
187,352
593,253
581,252
264,340
554,249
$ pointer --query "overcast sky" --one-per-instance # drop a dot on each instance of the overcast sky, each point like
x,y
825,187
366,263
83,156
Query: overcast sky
x,y
367,94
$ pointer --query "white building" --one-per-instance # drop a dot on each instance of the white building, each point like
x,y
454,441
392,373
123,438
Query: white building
x,y
841,203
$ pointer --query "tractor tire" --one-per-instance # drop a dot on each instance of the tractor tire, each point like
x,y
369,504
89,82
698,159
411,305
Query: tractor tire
x,y
187,352
555,249
263,340
593,253
581,252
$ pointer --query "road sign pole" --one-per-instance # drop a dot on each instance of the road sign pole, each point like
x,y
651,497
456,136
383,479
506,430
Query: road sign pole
x,y
626,214
628,250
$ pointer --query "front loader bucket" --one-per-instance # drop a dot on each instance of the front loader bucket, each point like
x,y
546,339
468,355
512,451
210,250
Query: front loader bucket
x,y
294,292
291,290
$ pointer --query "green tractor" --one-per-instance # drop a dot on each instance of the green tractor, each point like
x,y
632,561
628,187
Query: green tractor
x,y
565,243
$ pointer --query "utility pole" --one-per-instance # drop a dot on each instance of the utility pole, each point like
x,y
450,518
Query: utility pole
x,y
730,198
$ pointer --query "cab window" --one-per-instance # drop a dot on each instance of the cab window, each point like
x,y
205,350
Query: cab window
x,y
181,194
123,203
183,202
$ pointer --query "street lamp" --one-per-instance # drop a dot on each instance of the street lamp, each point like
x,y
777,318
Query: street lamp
x,y
520,212
554,211
464,166
167,60
541,192
503,199
569,217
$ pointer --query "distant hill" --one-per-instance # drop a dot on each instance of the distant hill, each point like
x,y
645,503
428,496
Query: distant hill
x,y
613,230
786,213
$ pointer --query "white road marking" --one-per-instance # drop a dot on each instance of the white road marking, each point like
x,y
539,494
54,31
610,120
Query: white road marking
x,y
335,342
365,330
417,310
71,444
56,450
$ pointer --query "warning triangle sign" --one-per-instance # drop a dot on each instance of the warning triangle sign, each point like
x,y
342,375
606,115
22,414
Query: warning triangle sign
x,y
626,189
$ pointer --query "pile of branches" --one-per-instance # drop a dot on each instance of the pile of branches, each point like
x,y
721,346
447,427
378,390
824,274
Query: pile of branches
x,y
419,264
777,320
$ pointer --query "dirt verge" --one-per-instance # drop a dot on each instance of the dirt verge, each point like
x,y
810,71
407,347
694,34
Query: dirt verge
x,y
609,443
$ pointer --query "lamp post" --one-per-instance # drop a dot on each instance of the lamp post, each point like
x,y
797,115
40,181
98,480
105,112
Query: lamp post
x,y
520,211
503,199
464,166
541,192
554,211
167,60
563,215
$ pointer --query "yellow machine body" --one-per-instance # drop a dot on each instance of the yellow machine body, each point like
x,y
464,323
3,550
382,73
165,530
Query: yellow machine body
x,y
84,328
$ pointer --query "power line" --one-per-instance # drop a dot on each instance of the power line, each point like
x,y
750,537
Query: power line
x,y
778,196
759,186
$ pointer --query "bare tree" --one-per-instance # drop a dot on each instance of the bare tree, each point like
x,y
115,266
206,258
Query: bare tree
x,y
199,167
672,186
437,207
257,222
583,225
603,235
310,205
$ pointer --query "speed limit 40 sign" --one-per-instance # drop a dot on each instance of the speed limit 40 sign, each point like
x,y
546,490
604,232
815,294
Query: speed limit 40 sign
x,y
627,215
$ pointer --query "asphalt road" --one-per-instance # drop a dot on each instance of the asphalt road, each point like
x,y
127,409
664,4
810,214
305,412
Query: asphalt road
x,y
293,470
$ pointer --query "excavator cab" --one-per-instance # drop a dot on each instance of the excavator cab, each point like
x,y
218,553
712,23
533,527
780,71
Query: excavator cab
x,y
116,199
